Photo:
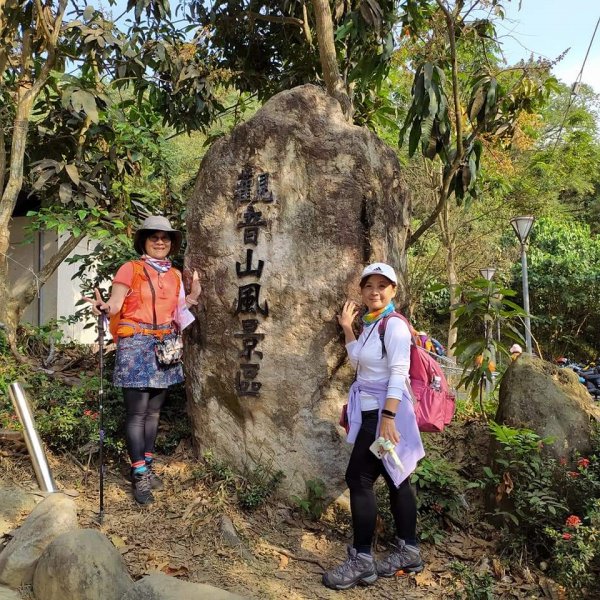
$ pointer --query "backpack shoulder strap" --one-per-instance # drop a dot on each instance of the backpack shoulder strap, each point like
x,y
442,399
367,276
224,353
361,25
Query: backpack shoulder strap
x,y
138,270
179,279
383,324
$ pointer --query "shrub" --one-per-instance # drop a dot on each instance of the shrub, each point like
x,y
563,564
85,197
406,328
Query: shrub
x,y
577,550
251,488
469,584
257,485
524,483
440,496
313,505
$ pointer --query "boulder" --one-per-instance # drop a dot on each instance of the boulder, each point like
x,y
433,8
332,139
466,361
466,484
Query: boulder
x,y
81,565
8,594
550,401
286,211
163,587
52,517
230,537
14,501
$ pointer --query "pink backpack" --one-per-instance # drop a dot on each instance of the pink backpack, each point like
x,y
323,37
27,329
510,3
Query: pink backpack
x,y
434,402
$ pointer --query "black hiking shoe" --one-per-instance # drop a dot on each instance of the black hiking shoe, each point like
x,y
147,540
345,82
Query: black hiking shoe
x,y
357,568
402,560
142,491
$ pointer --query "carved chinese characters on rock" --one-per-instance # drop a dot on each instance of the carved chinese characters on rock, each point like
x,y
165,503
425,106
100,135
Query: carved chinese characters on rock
x,y
252,189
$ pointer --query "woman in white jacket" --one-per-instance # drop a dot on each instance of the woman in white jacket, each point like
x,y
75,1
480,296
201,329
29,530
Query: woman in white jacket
x,y
379,405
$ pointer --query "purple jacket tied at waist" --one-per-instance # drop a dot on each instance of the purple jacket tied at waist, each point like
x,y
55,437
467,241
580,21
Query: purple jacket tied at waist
x,y
410,448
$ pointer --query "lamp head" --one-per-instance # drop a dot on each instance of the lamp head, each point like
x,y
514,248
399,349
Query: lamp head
x,y
488,273
522,227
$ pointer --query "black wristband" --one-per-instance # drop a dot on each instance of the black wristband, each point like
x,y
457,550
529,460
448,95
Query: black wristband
x,y
387,417
388,413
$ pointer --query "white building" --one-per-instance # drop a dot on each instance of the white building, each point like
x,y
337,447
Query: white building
x,y
57,298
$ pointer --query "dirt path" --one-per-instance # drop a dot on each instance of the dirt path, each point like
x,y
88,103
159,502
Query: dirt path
x,y
180,534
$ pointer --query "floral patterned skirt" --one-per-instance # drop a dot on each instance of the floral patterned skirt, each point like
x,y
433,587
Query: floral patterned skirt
x,y
136,365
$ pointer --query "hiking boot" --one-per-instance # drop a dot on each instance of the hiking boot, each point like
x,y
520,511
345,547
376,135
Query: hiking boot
x,y
357,568
403,559
155,481
141,488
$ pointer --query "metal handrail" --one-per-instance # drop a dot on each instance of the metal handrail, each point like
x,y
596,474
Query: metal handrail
x,y
32,439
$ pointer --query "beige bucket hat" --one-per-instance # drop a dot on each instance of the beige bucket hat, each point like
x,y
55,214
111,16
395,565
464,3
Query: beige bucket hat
x,y
157,223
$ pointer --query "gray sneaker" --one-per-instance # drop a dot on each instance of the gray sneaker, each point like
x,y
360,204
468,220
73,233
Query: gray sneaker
x,y
142,491
402,559
357,568
155,481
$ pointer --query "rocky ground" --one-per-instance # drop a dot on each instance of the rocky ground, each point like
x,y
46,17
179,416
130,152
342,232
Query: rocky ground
x,y
277,554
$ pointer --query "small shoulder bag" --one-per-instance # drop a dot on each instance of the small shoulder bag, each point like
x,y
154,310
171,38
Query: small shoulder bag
x,y
168,351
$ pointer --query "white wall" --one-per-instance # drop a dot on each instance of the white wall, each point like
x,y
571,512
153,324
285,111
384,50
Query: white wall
x,y
58,296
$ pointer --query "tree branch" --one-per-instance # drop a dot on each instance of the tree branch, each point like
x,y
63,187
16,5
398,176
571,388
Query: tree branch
x,y
443,193
2,160
327,54
47,67
275,19
24,297
306,26
42,21
454,62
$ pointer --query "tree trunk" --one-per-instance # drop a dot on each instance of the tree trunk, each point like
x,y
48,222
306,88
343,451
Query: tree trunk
x,y
7,206
448,241
327,54
11,306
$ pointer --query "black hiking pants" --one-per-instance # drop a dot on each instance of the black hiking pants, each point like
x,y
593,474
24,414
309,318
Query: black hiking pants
x,y
363,470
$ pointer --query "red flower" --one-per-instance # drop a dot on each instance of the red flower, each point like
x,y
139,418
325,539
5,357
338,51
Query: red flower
x,y
566,536
87,413
573,474
563,461
583,463
573,521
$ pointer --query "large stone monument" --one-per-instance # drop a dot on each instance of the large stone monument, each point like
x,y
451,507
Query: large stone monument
x,y
286,211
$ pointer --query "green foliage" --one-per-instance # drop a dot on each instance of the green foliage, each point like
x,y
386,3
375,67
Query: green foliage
x,y
494,98
313,504
576,554
471,585
66,415
547,509
564,284
440,496
483,305
270,46
252,487
525,485
257,485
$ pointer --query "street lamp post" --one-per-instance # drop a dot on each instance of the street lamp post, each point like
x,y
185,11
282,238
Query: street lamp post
x,y
487,273
522,227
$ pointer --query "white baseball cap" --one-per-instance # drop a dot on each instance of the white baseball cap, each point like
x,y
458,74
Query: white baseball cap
x,y
380,269
515,348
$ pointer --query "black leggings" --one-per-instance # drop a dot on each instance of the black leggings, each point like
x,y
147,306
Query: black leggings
x,y
143,412
363,470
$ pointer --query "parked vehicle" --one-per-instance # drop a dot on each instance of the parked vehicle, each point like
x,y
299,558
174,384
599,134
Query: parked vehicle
x,y
589,375
592,381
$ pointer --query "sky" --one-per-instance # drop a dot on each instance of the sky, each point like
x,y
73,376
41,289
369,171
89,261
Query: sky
x,y
547,28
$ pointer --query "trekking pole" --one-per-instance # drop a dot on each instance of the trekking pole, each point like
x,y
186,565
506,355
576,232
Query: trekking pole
x,y
101,330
